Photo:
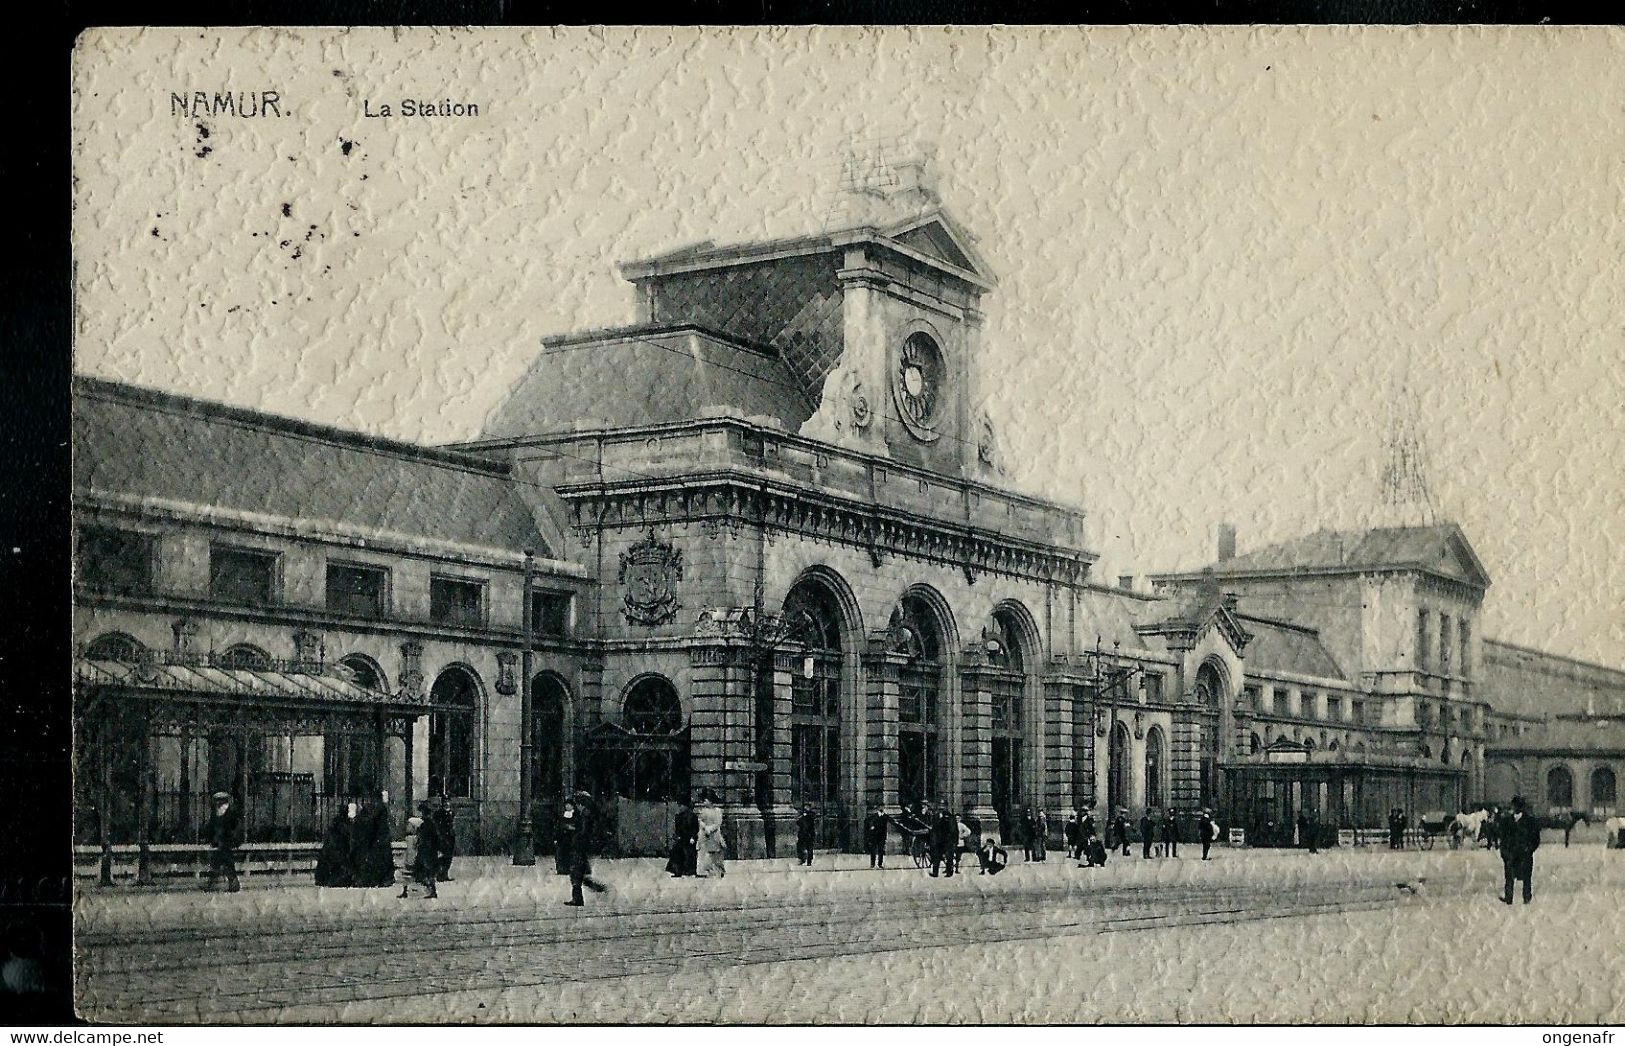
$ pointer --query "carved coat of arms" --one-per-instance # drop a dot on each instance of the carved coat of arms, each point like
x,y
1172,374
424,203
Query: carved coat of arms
x,y
650,571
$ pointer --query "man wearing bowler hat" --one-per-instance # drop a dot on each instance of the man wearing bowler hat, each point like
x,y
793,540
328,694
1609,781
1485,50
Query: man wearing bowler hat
x,y
224,834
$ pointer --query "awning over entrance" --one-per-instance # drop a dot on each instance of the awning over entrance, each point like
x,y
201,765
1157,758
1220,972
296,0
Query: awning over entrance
x,y
264,685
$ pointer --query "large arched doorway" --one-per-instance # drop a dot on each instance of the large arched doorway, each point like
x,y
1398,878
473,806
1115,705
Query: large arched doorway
x,y
1009,659
814,620
1211,695
1604,792
919,637
1156,769
1119,787
453,706
1559,789
549,702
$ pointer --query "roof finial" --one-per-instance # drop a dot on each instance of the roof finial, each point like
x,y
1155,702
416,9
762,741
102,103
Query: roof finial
x,y
884,179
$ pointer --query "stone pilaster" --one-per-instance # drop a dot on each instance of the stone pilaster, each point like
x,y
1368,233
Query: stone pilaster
x,y
1184,760
1056,740
880,725
976,739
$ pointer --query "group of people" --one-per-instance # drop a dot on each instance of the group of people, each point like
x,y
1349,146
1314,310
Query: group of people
x,y
697,843
356,849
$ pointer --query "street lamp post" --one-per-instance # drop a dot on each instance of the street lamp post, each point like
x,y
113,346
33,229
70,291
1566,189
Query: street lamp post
x,y
524,847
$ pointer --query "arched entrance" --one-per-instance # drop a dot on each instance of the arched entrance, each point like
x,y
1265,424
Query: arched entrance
x,y
453,705
1009,659
919,637
1156,769
640,766
1119,787
1604,792
1211,695
814,619
1559,789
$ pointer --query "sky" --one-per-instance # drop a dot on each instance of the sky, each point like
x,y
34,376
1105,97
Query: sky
x,y
1221,253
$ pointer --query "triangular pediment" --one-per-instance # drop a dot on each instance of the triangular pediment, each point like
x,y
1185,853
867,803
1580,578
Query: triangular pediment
x,y
940,238
1457,559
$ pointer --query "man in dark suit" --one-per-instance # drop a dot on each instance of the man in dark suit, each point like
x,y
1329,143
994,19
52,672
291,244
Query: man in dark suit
x,y
875,824
944,841
224,834
1206,831
445,830
575,837
1170,833
684,843
1145,835
1120,823
1520,838
806,834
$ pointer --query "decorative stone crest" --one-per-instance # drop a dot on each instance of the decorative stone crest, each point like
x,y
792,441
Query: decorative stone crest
x,y
1139,726
987,444
862,412
411,677
506,679
146,665
308,648
185,632
650,571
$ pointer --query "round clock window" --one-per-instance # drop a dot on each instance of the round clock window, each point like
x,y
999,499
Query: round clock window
x,y
917,384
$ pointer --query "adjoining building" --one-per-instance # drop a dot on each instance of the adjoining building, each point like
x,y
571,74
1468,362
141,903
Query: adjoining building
x,y
772,554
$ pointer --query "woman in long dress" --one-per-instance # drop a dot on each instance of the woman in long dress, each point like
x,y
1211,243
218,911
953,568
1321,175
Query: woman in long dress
x,y
334,866
709,844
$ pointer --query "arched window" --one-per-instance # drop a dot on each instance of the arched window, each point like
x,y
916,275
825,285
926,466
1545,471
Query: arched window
x,y
1210,694
114,646
453,702
652,763
1604,793
245,655
814,619
1254,745
1309,745
1333,746
1155,768
548,700
918,637
1008,658
1427,751
1118,788
1559,788
363,672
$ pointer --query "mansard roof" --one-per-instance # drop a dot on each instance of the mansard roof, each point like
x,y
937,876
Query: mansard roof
x,y
1440,549
930,236
1283,647
134,443
648,375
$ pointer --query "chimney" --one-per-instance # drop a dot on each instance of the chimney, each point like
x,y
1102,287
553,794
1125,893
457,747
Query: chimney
x,y
1125,582
1227,541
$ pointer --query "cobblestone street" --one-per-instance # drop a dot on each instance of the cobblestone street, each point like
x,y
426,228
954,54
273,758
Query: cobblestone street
x,y
499,945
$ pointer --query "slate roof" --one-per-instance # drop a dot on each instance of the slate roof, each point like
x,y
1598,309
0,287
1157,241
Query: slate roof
x,y
141,443
1441,548
648,375
1278,646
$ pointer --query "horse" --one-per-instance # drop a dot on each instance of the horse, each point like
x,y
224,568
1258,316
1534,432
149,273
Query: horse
x,y
1472,825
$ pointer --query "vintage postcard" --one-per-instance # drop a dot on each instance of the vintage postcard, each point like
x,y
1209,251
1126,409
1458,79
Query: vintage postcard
x,y
849,525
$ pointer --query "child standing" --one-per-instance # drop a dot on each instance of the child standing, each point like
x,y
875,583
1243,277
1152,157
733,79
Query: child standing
x,y
421,860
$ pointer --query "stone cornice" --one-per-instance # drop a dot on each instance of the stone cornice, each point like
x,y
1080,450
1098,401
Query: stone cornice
x,y
729,500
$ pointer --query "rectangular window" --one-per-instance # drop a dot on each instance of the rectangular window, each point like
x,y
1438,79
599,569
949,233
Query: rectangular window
x,y
1334,708
240,575
456,601
1444,643
1464,635
1252,697
361,591
1153,687
1424,657
1357,711
550,614
1277,700
119,561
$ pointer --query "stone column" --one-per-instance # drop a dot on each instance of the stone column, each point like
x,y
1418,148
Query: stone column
x,y
1056,741
722,752
1184,759
976,739
780,812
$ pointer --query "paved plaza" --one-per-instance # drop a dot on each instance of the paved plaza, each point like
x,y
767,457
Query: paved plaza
x,y
1137,940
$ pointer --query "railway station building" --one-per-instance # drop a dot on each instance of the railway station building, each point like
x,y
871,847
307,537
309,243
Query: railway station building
x,y
770,552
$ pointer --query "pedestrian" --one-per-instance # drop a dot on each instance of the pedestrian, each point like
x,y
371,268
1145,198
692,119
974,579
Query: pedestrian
x,y
1040,835
1396,829
1307,828
1520,837
375,863
1145,835
806,834
875,825
1089,847
1027,832
420,860
1121,824
991,856
334,865
967,840
445,830
685,838
224,834
1206,831
1492,829
709,845
1170,833
1069,834
944,839
575,833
